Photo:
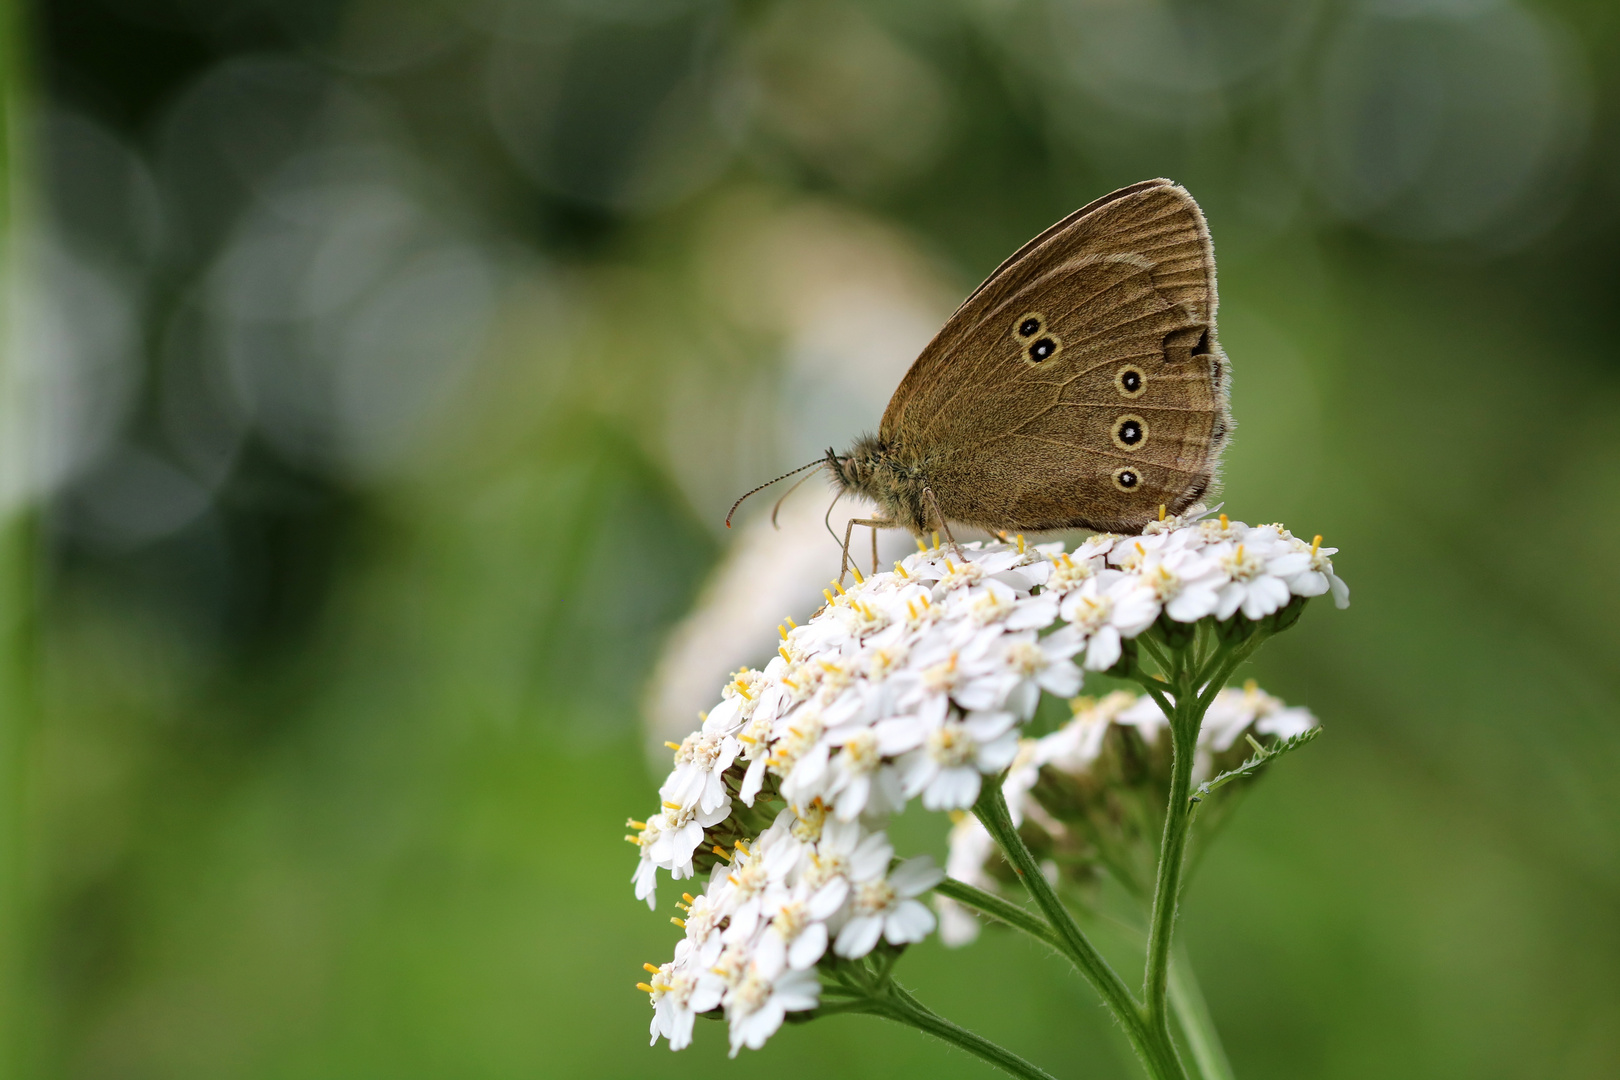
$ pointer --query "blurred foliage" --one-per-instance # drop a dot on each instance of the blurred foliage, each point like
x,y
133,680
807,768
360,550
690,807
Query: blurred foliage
x,y
397,361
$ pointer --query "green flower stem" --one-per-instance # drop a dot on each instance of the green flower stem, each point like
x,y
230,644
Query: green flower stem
x,y
1192,1012
834,1008
1156,690
1194,677
991,809
1172,857
1194,692
1006,911
1153,650
1156,1050
898,1005
1223,670
1186,999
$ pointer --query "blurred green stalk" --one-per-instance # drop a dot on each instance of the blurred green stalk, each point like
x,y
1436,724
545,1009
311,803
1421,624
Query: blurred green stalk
x,y
16,552
1192,1012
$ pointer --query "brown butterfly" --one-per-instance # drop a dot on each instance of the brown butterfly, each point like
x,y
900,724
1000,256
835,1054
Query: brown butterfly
x,y
1081,386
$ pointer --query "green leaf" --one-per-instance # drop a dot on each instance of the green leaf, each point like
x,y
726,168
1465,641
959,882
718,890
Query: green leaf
x,y
1262,755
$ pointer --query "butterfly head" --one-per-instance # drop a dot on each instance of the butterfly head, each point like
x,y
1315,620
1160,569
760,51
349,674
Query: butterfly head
x,y
884,475
855,469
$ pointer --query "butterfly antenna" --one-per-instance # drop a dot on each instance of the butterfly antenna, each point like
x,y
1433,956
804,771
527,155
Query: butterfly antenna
x,y
767,484
796,485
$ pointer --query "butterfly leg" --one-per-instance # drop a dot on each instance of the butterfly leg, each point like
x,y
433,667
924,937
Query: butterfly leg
x,y
928,493
875,524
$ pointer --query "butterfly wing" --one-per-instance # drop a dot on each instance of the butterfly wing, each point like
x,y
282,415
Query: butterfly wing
x,y
1081,385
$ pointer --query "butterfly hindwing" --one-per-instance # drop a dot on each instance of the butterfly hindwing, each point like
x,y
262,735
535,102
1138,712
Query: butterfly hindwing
x,y
1081,385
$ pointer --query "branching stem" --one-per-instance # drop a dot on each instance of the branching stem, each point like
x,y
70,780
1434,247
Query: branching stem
x,y
1186,998
1006,911
1194,686
1192,675
1172,856
1156,1051
891,1001
898,1005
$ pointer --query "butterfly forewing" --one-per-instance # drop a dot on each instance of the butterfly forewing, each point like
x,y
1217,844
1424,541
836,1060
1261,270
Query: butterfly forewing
x,y
1081,385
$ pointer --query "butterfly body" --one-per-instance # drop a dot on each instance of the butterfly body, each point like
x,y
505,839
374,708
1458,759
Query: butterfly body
x,y
1080,386
896,481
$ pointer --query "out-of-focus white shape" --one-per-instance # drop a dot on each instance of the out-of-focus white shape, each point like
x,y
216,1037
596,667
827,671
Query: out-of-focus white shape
x,y
135,497
768,574
845,301
1445,119
105,208
1157,59
402,348
102,196
72,340
850,100
69,321
201,419
852,303
628,105
385,37
232,130
842,364
348,309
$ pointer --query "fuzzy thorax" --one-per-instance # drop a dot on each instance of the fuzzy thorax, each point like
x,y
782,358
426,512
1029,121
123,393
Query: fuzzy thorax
x,y
888,477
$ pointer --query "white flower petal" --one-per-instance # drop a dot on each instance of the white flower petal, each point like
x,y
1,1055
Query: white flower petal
x,y
1341,592
825,901
859,936
910,921
753,780
1104,649
916,876
1061,679
871,858
917,771
952,789
997,754
808,947
984,726
957,924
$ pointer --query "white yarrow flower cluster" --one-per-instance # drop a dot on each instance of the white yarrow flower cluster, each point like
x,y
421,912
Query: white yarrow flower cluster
x,y
772,909
1074,748
910,684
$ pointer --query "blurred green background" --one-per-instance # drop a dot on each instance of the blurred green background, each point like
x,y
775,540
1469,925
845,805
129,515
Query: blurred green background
x,y
377,375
